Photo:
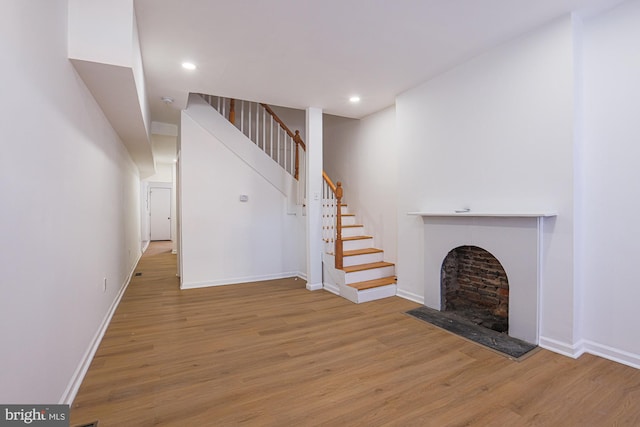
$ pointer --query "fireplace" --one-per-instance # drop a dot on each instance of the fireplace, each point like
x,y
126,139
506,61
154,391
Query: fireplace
x,y
515,239
475,286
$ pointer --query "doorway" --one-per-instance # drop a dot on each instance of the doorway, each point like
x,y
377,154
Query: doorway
x,y
160,213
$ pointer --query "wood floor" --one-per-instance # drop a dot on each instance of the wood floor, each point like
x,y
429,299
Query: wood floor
x,y
275,354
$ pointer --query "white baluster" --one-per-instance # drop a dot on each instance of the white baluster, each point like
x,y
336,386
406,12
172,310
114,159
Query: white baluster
x,y
242,118
249,124
264,130
271,139
278,149
293,155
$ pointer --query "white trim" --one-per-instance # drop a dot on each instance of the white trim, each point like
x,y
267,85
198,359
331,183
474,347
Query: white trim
x,y
410,296
614,354
570,350
314,286
469,213
373,294
145,247
71,391
302,275
238,280
584,346
334,289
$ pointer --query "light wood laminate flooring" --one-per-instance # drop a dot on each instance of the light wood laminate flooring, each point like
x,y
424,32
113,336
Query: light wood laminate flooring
x,y
276,354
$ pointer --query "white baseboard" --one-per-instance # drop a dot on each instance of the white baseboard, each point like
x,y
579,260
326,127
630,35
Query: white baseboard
x,y
302,275
314,286
237,280
614,354
410,296
570,350
71,391
584,346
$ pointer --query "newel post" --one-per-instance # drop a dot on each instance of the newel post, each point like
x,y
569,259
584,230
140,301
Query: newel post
x,y
296,139
339,225
232,111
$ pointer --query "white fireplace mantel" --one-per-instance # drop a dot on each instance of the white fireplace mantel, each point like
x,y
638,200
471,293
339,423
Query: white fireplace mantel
x,y
469,213
513,237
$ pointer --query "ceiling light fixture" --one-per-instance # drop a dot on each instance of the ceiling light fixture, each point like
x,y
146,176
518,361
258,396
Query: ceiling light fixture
x,y
188,65
354,99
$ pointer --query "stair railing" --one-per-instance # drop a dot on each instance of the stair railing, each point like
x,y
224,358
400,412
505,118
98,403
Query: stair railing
x,y
332,218
261,124
258,121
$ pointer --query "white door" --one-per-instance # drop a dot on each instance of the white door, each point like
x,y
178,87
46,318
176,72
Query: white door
x,y
160,212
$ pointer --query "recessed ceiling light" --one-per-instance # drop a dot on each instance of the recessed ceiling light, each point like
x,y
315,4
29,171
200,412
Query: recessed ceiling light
x,y
354,99
189,65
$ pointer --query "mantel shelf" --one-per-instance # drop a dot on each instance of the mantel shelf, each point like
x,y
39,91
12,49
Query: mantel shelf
x,y
484,214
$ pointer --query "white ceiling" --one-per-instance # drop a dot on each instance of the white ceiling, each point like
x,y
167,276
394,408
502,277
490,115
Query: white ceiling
x,y
301,53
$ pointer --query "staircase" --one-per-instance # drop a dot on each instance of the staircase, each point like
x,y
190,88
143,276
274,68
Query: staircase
x,y
364,275
352,267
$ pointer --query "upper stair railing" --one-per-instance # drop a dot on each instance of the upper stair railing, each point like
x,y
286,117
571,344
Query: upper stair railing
x,y
259,123
332,218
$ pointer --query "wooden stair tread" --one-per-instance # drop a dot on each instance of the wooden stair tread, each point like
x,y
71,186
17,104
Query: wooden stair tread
x,y
356,238
373,283
362,252
348,215
369,266
352,226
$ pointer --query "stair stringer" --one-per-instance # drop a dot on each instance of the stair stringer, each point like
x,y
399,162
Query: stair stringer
x,y
238,143
332,278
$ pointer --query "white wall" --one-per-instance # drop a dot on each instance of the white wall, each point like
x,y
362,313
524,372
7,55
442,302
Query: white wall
x,y
224,240
70,209
164,173
610,179
102,32
496,133
362,154
104,47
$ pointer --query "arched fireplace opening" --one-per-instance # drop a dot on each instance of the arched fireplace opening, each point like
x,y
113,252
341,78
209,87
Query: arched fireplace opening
x,y
474,285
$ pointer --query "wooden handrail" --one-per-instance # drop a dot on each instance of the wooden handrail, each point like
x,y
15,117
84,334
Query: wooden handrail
x,y
277,119
298,139
331,184
239,114
295,136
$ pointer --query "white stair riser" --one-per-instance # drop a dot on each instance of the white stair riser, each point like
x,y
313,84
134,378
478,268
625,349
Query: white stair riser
x,y
352,245
348,220
344,210
348,261
376,293
352,231
372,274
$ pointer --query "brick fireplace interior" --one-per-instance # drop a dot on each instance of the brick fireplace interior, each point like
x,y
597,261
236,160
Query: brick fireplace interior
x,y
474,285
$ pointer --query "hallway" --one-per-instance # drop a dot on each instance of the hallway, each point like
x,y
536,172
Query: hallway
x,y
275,354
